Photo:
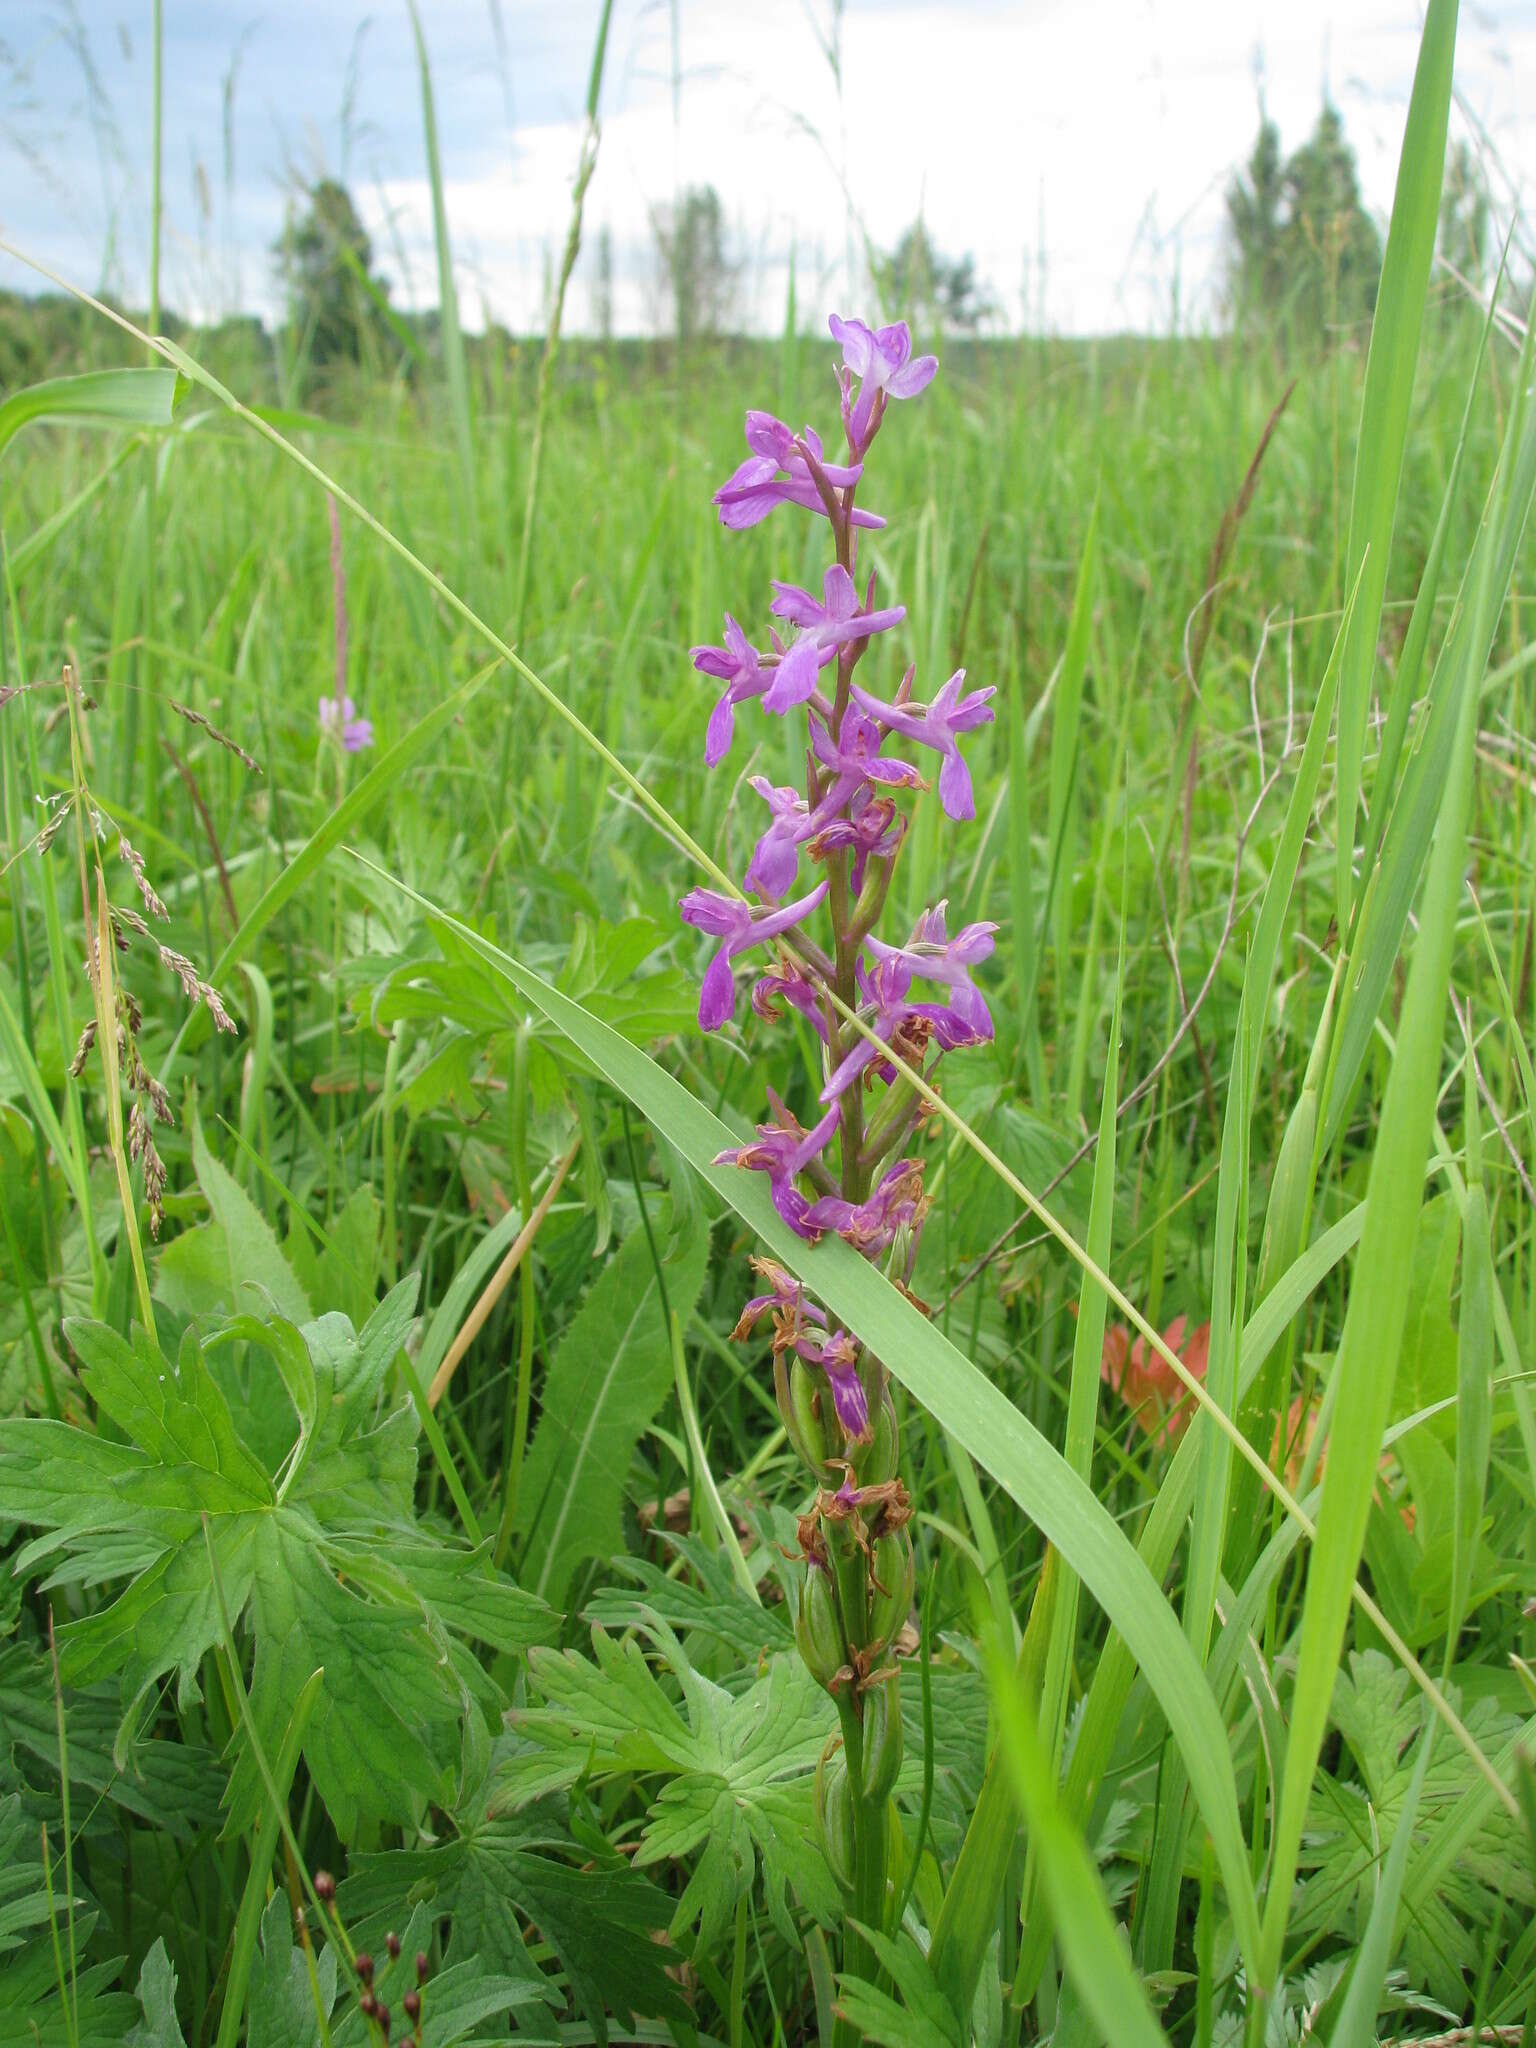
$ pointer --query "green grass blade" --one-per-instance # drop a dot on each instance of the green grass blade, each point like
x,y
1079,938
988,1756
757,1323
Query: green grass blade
x,y
1384,407
1363,1374
968,1915
1091,1947
1383,915
1474,1372
253,1899
455,365
1082,1416
1355,2026
96,398
1066,748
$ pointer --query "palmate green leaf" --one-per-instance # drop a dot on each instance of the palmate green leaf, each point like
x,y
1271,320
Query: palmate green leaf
x,y
1002,1441
600,1916
331,1572
610,1375
737,1769
1354,1822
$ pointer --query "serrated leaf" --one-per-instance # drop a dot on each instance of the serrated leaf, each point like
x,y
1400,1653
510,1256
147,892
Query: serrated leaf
x,y
600,1917
314,1578
159,2027
175,1786
33,2010
708,1602
180,1418
738,1769
922,2019
281,2008
609,1377
234,1261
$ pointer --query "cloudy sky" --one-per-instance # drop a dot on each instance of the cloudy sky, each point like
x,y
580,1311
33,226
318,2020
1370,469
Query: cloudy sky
x,y
1077,149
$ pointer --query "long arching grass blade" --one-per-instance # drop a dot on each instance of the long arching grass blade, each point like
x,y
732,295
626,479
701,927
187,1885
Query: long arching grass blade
x,y
1384,407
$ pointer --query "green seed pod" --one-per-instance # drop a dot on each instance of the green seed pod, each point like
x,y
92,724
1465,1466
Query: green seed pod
x,y
890,1589
882,1739
819,1628
834,1814
876,1461
802,1412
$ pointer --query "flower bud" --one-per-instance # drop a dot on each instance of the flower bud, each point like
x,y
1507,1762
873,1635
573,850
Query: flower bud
x,y
364,1966
412,2004
890,1589
392,1943
818,1626
834,1814
423,1967
325,1886
881,1758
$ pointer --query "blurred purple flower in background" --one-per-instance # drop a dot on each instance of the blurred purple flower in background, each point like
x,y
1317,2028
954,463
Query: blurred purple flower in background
x,y
339,720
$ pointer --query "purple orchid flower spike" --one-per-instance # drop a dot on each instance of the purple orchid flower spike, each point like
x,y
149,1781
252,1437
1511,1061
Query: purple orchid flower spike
x,y
938,725
913,1001
783,1150
838,620
776,857
339,719
854,759
738,665
838,1357
931,955
881,358
740,926
898,1203
777,473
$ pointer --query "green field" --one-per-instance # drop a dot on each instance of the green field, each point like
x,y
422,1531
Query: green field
x,y
440,1541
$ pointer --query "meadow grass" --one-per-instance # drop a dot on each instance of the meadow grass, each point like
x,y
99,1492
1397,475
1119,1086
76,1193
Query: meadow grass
x,y
462,979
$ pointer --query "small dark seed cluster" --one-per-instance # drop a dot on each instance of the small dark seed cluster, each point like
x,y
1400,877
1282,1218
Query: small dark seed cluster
x,y
372,2007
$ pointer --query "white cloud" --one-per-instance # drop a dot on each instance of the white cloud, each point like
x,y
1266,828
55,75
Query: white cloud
x,y
1078,149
